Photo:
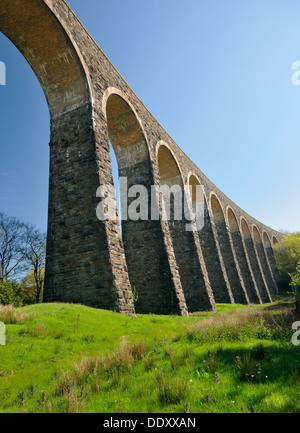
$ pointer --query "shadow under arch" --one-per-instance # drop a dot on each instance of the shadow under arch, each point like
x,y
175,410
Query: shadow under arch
x,y
230,261
264,261
189,259
147,263
270,255
255,264
242,257
40,36
210,249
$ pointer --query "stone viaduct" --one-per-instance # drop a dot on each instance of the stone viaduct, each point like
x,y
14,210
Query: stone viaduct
x,y
90,261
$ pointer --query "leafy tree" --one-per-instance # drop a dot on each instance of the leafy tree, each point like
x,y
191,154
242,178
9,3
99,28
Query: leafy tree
x,y
30,292
287,256
11,293
296,278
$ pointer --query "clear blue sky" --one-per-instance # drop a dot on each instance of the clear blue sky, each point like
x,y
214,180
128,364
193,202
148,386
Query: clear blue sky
x,y
216,74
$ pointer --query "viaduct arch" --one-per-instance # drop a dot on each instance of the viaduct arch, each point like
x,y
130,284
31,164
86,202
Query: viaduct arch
x,y
94,262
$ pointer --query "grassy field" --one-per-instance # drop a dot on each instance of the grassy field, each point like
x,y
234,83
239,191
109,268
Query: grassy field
x,y
70,358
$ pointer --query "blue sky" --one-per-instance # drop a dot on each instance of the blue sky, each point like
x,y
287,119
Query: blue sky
x,y
216,74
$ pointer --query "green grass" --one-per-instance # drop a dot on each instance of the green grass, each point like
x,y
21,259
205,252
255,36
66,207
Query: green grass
x,y
71,358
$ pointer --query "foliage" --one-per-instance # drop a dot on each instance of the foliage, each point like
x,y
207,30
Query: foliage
x,y
11,293
107,362
18,294
287,255
296,278
34,256
33,286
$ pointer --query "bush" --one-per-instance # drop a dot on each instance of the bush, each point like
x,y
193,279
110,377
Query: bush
x,y
287,256
11,293
14,293
296,278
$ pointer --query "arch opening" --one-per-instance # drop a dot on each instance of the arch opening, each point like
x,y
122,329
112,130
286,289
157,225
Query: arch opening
x,y
140,235
211,253
128,151
233,224
125,133
272,288
24,148
228,253
242,257
192,274
168,169
256,235
217,210
75,242
266,240
198,200
270,256
255,264
170,177
245,229
53,56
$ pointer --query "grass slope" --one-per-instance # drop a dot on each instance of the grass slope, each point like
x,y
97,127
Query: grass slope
x,y
71,358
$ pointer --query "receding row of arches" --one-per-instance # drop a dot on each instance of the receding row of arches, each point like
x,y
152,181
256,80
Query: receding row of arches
x,y
174,270
222,261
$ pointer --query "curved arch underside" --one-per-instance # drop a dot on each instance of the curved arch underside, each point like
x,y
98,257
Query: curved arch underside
x,y
173,269
40,37
168,168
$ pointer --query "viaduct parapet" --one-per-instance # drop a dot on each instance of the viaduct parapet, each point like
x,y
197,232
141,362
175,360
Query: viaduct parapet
x,y
89,261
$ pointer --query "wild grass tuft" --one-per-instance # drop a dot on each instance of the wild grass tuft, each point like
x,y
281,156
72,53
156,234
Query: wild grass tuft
x,y
240,325
248,367
11,315
171,390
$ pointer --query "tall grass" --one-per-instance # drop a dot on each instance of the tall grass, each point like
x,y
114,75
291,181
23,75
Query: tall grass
x,y
240,361
255,322
11,315
90,371
171,390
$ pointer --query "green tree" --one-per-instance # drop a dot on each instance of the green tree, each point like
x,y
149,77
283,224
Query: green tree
x,y
11,293
287,256
296,278
33,286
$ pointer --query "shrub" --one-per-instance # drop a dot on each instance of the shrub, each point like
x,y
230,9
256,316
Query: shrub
x,y
11,293
295,281
287,255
